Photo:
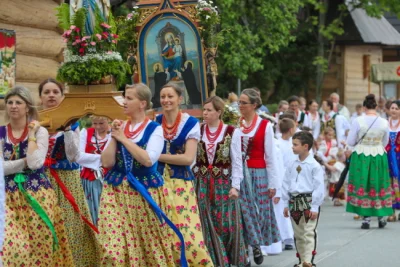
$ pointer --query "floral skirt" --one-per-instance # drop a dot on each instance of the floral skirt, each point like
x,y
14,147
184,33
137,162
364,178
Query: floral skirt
x,y
183,212
130,232
369,187
260,226
81,237
92,191
28,240
221,219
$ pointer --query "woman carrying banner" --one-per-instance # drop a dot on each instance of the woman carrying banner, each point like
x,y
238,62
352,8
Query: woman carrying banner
x,y
35,232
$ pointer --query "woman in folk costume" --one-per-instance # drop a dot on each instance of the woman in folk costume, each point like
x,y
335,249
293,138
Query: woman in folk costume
x,y
393,150
369,188
314,118
35,232
63,172
181,134
92,143
261,178
132,200
218,173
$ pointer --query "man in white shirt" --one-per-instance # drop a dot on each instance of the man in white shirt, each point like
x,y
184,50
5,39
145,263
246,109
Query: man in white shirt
x,y
302,118
303,194
338,108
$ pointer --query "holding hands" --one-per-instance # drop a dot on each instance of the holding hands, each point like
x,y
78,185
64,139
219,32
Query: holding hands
x,y
116,130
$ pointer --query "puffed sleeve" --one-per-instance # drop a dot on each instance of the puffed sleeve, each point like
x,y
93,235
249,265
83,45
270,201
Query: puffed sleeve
x,y
194,133
271,158
155,144
236,156
385,138
318,193
2,205
36,159
88,160
71,140
307,122
353,133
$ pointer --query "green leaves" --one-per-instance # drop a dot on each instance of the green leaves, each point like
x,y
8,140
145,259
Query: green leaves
x,y
93,70
79,19
63,16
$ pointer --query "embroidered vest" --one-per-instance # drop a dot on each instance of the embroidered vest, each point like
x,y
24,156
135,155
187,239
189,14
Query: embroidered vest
x,y
148,176
177,146
91,148
35,179
330,123
222,164
255,147
302,117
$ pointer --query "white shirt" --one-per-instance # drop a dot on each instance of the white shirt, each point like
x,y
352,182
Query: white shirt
x,y
89,160
287,152
271,154
155,144
178,50
335,175
310,179
315,125
340,125
306,121
235,153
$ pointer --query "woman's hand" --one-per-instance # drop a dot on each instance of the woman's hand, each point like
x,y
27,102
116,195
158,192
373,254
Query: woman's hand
x,y
233,193
33,127
116,130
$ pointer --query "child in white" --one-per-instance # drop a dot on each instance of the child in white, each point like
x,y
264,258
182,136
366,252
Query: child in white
x,y
334,171
303,194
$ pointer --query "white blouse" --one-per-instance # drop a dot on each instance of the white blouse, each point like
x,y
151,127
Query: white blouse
x,y
271,154
315,125
89,160
194,133
34,161
375,139
155,144
71,142
235,153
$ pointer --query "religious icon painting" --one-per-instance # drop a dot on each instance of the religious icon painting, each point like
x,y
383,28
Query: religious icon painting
x,y
7,61
170,50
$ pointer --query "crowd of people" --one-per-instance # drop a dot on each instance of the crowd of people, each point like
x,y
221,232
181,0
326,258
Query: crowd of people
x,y
177,192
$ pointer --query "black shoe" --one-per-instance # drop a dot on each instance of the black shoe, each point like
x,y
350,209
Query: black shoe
x,y
288,247
365,225
258,256
382,223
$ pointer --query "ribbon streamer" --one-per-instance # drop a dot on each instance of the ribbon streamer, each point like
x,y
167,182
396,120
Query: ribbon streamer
x,y
135,184
19,180
67,194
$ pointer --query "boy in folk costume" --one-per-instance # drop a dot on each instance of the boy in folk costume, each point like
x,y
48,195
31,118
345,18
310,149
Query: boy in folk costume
x,y
303,194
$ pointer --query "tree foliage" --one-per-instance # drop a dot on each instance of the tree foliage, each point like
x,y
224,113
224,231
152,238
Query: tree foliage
x,y
276,44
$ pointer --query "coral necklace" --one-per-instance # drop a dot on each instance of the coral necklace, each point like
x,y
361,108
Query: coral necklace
x,y
14,140
245,129
133,134
394,128
170,131
213,136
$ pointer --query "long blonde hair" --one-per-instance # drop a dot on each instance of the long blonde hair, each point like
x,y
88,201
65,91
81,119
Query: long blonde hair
x,y
26,96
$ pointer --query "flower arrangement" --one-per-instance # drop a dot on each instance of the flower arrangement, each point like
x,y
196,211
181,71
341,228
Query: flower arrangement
x,y
89,58
208,16
126,28
231,116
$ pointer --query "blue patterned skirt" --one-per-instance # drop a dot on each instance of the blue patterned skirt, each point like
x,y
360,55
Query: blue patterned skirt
x,y
259,222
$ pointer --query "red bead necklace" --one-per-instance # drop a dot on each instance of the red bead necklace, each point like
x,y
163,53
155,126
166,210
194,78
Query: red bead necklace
x,y
246,129
14,140
133,134
170,131
212,137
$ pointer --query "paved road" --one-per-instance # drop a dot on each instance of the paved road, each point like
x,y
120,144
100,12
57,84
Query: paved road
x,y
343,244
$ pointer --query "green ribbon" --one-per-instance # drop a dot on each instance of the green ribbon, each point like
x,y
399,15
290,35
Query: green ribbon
x,y
20,179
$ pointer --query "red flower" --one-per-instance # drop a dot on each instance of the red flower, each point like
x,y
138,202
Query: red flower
x,y
77,30
82,50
